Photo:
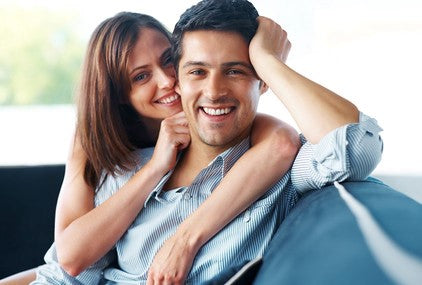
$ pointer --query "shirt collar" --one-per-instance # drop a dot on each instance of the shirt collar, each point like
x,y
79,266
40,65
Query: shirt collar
x,y
230,156
228,159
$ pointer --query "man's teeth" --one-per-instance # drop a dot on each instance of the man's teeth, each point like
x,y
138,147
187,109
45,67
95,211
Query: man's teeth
x,y
216,112
169,99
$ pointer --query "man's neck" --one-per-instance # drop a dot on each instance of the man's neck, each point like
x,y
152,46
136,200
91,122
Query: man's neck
x,y
195,158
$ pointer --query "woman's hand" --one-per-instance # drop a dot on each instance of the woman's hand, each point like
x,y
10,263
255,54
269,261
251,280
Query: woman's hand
x,y
270,39
173,137
173,261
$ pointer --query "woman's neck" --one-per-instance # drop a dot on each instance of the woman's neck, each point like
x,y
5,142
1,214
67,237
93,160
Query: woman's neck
x,y
152,129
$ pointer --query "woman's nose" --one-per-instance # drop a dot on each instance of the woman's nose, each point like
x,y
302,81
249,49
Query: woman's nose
x,y
166,78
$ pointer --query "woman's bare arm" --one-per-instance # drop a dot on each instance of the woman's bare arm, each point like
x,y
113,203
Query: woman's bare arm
x,y
83,232
21,278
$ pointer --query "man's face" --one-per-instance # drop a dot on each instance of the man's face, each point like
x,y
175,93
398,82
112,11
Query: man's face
x,y
218,86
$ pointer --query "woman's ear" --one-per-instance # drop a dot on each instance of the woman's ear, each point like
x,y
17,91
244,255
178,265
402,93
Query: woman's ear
x,y
263,87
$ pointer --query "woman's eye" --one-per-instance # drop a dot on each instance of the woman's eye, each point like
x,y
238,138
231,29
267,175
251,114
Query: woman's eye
x,y
141,77
167,61
166,58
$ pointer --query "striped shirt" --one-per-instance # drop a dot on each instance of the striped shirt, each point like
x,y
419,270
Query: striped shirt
x,y
350,152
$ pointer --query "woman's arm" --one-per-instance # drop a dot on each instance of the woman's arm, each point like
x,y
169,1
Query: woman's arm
x,y
21,278
83,232
274,147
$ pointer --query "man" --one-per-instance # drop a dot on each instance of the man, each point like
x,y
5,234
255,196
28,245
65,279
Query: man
x,y
224,63
221,75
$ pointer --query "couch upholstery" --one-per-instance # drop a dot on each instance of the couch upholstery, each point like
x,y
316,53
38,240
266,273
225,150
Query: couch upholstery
x,y
28,197
321,243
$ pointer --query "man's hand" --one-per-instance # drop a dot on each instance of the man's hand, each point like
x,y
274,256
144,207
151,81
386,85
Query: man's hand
x,y
172,262
270,39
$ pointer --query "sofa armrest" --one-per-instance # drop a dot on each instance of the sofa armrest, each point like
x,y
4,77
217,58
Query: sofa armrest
x,y
320,242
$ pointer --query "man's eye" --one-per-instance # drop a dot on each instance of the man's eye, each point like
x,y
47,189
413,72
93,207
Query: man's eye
x,y
197,72
234,72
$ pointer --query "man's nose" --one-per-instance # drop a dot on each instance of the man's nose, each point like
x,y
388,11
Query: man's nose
x,y
215,87
166,78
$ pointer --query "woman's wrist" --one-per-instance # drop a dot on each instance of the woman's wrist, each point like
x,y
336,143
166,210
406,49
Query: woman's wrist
x,y
154,169
192,235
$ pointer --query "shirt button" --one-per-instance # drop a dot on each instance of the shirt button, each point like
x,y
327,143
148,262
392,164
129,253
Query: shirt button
x,y
187,196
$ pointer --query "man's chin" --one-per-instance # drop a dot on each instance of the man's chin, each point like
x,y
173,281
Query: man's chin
x,y
215,140
219,140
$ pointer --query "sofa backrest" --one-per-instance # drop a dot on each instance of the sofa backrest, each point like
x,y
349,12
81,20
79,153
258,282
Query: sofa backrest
x,y
28,196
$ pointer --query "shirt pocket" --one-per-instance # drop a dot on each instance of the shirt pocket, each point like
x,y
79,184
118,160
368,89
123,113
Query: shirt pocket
x,y
258,211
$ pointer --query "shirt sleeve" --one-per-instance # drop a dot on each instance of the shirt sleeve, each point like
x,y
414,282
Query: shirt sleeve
x,y
52,273
350,152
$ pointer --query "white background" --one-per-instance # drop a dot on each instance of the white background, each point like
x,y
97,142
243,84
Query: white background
x,y
367,51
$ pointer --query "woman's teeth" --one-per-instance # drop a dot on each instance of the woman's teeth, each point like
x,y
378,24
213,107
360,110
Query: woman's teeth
x,y
169,99
216,112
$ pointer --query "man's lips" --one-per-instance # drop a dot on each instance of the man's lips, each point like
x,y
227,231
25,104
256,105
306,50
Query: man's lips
x,y
214,111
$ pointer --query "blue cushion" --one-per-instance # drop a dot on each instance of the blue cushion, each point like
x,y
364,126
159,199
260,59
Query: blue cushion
x,y
320,242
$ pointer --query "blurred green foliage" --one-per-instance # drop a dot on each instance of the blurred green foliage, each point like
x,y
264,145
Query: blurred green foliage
x,y
40,56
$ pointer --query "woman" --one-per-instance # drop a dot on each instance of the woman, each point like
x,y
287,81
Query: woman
x,y
127,101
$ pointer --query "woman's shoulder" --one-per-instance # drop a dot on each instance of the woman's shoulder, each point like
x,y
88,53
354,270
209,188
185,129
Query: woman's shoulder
x,y
112,183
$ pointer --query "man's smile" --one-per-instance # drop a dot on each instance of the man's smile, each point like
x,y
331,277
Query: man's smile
x,y
217,111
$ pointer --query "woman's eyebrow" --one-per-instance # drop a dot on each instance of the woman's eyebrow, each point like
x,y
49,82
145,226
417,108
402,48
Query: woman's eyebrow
x,y
138,67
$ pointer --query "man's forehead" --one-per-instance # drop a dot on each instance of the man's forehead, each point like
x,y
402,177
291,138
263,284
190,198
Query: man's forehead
x,y
205,45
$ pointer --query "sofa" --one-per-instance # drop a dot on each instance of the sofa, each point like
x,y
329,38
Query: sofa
x,y
319,242
28,196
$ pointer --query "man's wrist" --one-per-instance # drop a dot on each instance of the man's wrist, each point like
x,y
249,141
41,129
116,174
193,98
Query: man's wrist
x,y
265,64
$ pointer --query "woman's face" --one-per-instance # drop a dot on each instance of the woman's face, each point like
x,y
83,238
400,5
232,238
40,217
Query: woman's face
x,y
152,76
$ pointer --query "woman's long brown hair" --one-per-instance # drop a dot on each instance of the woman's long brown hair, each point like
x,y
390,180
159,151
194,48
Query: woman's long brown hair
x,y
108,127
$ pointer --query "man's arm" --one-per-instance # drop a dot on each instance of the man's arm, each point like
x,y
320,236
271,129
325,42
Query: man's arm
x,y
339,142
316,110
350,152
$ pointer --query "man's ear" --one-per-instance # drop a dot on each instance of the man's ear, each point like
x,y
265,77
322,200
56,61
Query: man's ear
x,y
263,87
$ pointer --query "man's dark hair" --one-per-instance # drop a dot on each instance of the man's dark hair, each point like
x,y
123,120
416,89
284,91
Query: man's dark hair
x,y
220,15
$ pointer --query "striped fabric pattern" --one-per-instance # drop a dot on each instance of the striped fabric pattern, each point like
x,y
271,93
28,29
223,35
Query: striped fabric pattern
x,y
349,152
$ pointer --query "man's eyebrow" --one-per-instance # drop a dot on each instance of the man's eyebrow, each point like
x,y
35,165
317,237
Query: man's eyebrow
x,y
195,63
241,63
225,65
